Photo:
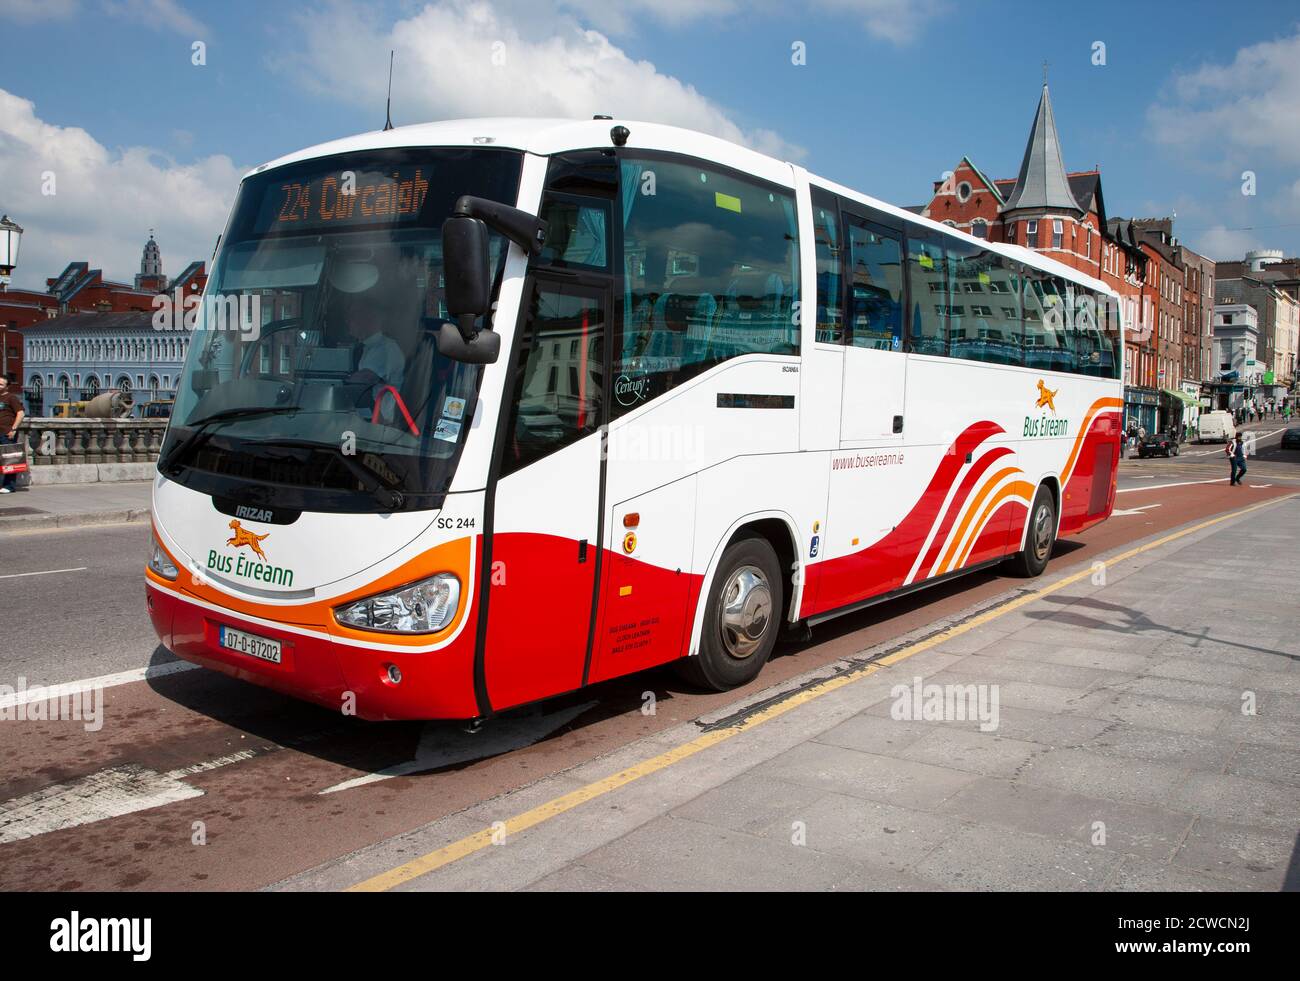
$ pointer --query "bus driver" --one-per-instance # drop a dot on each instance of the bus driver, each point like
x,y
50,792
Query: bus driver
x,y
377,359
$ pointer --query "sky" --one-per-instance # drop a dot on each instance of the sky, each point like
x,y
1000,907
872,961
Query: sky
x,y
118,116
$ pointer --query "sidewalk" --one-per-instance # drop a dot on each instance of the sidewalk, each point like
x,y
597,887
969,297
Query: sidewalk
x,y
1122,758
45,506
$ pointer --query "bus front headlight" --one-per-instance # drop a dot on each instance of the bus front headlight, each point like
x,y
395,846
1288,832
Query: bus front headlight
x,y
159,563
423,607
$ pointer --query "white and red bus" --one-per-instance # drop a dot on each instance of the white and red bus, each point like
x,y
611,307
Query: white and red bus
x,y
510,407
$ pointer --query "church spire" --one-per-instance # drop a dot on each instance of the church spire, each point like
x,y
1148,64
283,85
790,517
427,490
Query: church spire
x,y
1042,184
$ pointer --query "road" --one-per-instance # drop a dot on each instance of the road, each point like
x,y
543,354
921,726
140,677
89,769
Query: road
x,y
196,780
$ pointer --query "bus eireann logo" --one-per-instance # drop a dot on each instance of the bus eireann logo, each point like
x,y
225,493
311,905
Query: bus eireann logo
x,y
242,536
1046,397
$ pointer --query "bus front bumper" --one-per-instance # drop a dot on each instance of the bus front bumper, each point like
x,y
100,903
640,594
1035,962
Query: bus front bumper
x,y
341,677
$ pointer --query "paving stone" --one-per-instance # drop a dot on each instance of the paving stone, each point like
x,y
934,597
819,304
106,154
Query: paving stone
x,y
676,854
1239,800
1131,828
1252,858
751,803
1095,775
992,858
1152,712
1141,875
904,783
985,753
1162,746
880,835
1270,763
875,734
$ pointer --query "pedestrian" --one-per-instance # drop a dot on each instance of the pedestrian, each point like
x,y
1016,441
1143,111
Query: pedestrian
x,y
11,417
1236,452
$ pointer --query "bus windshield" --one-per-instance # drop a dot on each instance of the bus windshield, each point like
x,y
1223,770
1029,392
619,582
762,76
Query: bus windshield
x,y
313,379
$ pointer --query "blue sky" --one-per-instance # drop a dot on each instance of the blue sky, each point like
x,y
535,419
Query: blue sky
x,y
892,94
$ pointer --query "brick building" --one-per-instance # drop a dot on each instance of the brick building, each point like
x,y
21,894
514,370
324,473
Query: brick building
x,y
80,290
1051,210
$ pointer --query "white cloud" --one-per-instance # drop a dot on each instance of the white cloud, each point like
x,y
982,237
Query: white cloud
x,y
106,200
30,11
1246,111
896,21
157,14
462,58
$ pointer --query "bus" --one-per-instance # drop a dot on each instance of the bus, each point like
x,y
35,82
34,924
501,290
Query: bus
x,y
507,408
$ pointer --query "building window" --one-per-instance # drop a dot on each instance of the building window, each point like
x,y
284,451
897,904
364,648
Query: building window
x,y
1031,233
979,228
1058,232
963,192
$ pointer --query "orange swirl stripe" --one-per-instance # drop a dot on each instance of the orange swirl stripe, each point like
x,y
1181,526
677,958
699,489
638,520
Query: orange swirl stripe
x,y
1096,408
1022,488
988,485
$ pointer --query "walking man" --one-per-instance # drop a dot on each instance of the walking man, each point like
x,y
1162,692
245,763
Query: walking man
x,y
1236,451
11,417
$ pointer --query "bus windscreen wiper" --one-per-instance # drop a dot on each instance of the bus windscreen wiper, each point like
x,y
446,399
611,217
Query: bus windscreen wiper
x,y
203,429
368,477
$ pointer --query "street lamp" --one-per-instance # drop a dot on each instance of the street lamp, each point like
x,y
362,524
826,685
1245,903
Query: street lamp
x,y
11,235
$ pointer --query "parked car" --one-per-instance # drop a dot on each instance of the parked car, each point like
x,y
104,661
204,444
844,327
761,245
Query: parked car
x,y
1215,427
1157,444
1291,439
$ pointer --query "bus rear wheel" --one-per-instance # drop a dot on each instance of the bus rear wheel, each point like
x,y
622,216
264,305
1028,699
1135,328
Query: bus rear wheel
x,y
741,618
1040,536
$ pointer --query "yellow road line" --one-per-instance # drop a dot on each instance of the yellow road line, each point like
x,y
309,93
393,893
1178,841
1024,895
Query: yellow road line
x,y
440,857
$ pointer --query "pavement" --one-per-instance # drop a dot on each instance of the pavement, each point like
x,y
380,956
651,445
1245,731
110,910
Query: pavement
x,y
45,506
1131,725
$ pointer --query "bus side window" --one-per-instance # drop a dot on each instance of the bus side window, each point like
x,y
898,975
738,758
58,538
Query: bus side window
x,y
830,279
875,287
928,324
711,272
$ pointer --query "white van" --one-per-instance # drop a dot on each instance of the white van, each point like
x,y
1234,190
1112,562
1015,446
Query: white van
x,y
1215,427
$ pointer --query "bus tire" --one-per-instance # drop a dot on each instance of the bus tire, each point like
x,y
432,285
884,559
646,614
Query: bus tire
x,y
1040,536
741,618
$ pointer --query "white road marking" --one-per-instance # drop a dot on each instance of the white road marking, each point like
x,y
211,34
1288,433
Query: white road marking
x,y
110,793
34,693
442,746
1184,483
1138,510
47,572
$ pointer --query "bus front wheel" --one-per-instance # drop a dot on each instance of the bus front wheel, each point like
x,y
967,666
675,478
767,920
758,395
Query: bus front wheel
x,y
741,619
1040,536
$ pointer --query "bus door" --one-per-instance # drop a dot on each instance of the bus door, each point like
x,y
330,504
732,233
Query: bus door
x,y
875,370
546,512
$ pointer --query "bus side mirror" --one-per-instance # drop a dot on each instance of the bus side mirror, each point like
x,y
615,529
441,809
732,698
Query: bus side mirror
x,y
467,273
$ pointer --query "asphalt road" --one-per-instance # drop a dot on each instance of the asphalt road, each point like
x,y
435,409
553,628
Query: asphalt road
x,y
274,787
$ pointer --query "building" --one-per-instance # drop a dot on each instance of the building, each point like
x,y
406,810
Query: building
x,y
1276,311
85,334
1198,316
80,355
1063,214
1236,349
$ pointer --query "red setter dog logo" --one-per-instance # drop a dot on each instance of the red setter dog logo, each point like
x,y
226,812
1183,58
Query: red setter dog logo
x,y
242,536
1046,396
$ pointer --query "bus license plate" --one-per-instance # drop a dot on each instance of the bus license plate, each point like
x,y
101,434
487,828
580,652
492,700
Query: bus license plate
x,y
250,644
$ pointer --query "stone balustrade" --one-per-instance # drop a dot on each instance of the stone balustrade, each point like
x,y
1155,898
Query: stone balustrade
x,y
63,442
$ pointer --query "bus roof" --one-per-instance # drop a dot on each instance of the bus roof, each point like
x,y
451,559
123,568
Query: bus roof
x,y
545,137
